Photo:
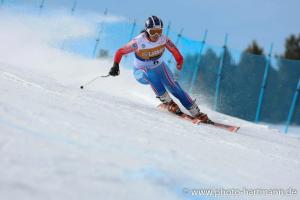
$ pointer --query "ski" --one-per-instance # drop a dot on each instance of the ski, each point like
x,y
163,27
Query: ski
x,y
232,129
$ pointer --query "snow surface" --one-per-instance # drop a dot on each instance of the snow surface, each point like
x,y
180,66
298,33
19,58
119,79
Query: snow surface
x,y
109,141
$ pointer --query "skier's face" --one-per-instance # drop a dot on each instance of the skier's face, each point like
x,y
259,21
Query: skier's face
x,y
154,34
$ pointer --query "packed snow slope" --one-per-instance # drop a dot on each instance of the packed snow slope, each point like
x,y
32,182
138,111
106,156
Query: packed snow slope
x,y
109,141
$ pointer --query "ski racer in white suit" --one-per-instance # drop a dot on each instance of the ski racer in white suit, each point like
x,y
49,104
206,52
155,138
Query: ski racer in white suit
x,y
150,69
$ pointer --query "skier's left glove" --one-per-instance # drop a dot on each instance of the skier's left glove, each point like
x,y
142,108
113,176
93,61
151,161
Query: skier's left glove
x,y
179,66
115,70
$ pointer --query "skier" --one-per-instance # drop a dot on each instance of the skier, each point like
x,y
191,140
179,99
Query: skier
x,y
149,68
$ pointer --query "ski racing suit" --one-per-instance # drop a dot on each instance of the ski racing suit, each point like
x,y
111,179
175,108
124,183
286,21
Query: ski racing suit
x,y
149,68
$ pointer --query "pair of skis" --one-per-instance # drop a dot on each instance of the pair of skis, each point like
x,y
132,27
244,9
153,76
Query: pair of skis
x,y
230,128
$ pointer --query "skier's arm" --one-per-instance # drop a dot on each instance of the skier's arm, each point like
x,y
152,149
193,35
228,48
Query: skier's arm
x,y
128,48
175,52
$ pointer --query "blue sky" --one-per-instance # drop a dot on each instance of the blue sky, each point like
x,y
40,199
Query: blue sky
x,y
274,20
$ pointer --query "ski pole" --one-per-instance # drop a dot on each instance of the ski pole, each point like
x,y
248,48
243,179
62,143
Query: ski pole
x,y
92,80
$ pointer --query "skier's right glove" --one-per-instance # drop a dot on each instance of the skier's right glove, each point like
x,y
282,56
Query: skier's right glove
x,y
115,70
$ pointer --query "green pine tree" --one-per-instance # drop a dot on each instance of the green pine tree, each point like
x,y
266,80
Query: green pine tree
x,y
254,48
292,47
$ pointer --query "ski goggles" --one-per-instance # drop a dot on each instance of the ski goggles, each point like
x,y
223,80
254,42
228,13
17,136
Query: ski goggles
x,y
154,31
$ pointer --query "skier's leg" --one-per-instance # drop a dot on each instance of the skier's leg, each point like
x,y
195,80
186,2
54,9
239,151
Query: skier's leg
x,y
174,87
145,76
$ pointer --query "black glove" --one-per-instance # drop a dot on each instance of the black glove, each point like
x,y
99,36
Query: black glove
x,y
115,70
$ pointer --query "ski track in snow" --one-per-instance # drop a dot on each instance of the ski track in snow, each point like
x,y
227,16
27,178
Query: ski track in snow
x,y
109,141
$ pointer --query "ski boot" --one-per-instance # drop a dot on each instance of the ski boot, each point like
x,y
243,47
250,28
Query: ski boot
x,y
172,106
195,112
